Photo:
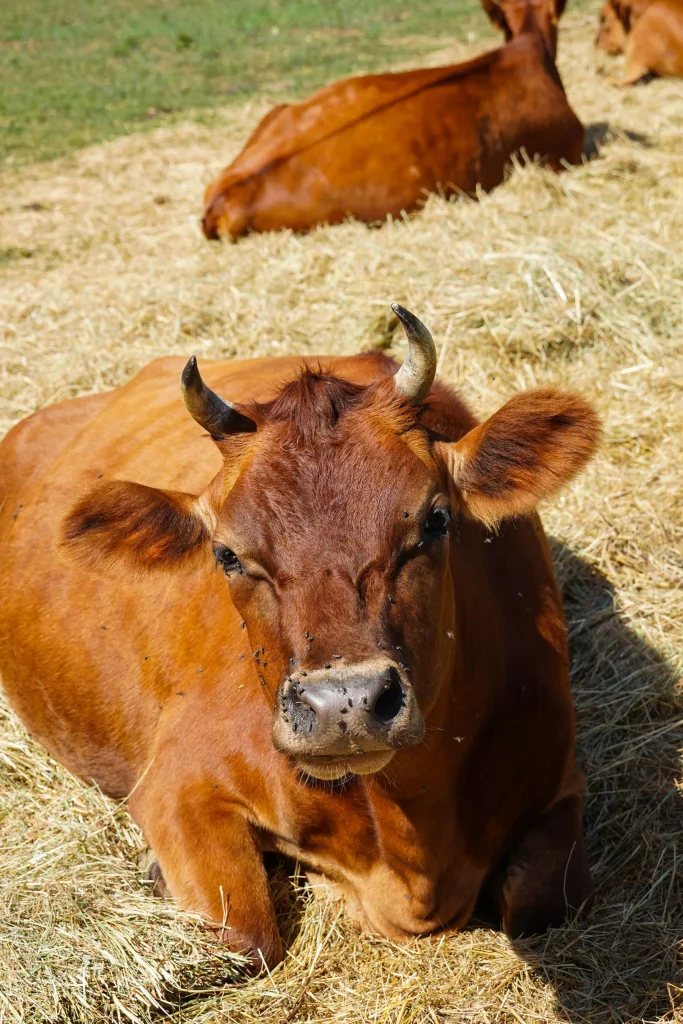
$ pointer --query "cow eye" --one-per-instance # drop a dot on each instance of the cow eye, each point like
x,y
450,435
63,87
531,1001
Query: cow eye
x,y
228,560
437,523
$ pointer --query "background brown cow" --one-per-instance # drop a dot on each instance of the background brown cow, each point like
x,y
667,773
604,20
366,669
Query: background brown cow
x,y
650,32
375,146
393,640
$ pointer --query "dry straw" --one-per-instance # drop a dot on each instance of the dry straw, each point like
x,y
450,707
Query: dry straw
x,y
572,280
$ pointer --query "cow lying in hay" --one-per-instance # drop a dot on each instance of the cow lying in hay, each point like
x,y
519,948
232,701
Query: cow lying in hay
x,y
341,640
377,145
649,32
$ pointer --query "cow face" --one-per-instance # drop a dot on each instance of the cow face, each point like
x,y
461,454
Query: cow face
x,y
333,522
611,35
334,539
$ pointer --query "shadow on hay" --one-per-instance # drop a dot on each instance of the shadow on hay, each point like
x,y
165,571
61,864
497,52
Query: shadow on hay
x,y
601,133
620,963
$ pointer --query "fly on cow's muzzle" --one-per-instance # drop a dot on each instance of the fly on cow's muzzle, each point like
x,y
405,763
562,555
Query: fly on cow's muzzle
x,y
334,722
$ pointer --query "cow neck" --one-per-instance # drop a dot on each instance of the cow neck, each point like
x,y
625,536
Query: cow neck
x,y
533,26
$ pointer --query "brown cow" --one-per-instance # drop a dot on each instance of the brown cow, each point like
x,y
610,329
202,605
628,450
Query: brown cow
x,y
650,32
376,145
384,615
514,17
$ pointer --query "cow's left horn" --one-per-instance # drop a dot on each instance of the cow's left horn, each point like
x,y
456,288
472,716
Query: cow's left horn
x,y
217,416
416,376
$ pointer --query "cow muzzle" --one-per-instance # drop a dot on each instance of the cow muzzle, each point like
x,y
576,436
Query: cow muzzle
x,y
352,719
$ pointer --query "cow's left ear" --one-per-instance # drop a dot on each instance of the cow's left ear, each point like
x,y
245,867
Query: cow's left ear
x,y
497,17
125,529
522,454
622,9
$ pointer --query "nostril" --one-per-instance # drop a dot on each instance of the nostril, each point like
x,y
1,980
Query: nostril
x,y
389,702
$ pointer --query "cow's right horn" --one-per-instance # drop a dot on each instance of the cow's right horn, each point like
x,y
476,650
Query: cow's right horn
x,y
416,376
218,417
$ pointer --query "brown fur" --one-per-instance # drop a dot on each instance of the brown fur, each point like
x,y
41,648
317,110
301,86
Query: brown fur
x,y
611,35
523,453
514,17
140,528
167,685
374,146
650,32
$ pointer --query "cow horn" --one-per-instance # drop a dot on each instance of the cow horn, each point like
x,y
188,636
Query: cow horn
x,y
416,376
218,417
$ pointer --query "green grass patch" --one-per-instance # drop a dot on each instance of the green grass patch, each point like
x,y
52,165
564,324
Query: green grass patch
x,y
15,254
76,72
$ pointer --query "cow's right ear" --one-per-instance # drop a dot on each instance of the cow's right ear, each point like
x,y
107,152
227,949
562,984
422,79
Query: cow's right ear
x,y
522,454
125,529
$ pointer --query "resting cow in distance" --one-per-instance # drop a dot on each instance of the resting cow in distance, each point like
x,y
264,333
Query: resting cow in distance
x,y
514,17
649,32
377,145
330,629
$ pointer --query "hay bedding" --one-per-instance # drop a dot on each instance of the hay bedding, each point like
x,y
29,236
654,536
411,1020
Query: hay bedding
x,y
574,281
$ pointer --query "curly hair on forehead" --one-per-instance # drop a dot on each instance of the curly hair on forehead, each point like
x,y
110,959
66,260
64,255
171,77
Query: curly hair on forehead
x,y
312,404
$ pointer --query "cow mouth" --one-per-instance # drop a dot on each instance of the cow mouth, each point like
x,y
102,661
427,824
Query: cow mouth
x,y
330,767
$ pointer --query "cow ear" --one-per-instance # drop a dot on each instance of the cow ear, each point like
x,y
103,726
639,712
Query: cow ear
x,y
497,17
622,9
522,454
126,529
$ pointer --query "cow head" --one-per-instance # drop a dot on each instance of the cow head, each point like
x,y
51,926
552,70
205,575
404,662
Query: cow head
x,y
514,17
332,521
614,26
227,206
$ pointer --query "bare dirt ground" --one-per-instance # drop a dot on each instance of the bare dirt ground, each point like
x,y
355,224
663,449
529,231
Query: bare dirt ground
x,y
572,280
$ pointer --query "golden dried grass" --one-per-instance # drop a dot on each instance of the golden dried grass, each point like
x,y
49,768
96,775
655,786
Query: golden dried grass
x,y
571,280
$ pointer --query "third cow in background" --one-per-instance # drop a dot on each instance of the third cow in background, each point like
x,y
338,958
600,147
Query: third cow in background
x,y
376,145
649,32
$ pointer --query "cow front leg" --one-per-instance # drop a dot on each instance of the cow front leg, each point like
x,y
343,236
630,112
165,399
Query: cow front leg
x,y
212,865
545,879
637,73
